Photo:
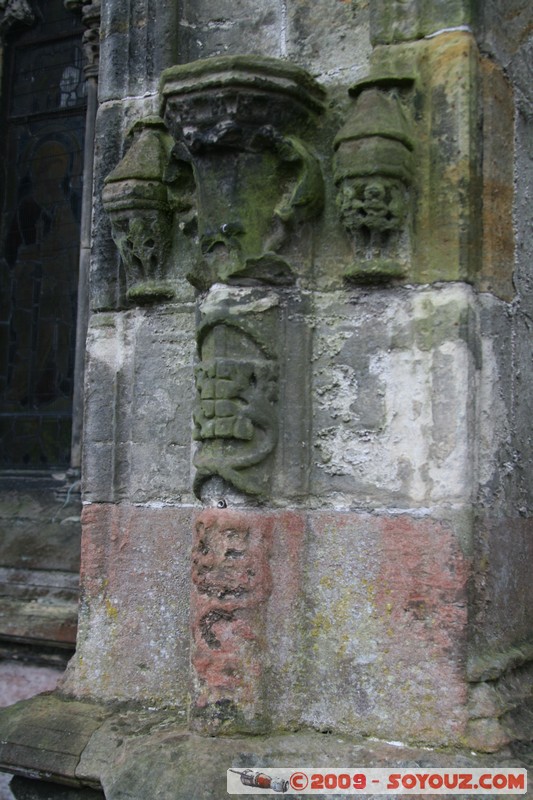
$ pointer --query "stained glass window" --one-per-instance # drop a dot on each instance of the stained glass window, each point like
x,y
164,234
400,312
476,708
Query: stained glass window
x,y
44,121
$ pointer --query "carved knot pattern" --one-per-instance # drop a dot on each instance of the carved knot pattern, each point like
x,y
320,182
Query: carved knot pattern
x,y
232,396
231,584
235,421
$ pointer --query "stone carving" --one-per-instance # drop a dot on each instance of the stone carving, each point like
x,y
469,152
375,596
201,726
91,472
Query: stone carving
x,y
14,12
90,14
235,416
231,584
141,195
239,120
374,172
91,37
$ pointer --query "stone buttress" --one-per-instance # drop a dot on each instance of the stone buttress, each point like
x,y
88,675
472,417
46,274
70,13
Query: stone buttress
x,y
295,504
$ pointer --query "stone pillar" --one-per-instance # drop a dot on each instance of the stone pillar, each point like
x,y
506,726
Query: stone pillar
x,y
239,122
306,447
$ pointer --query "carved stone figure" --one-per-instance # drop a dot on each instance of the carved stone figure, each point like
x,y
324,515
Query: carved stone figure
x,y
239,120
373,173
140,196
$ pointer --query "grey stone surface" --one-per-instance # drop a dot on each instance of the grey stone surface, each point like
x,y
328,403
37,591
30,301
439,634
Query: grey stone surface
x,y
133,634
139,394
243,26
392,382
400,20
332,41
138,40
504,27
502,597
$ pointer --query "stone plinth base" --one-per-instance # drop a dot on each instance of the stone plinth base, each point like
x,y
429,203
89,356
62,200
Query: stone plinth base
x,y
359,623
68,750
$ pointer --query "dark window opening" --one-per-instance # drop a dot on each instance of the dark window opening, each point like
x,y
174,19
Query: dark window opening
x,y
43,130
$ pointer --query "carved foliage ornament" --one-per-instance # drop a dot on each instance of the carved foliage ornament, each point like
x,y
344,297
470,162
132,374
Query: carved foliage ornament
x,y
239,119
232,126
374,172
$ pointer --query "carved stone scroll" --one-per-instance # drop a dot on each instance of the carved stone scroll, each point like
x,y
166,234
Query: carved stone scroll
x,y
231,584
240,120
374,172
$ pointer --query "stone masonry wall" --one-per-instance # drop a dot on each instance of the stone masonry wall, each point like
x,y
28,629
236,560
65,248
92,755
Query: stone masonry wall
x,y
371,576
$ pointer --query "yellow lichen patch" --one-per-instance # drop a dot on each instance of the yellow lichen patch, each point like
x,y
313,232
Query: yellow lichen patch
x,y
111,610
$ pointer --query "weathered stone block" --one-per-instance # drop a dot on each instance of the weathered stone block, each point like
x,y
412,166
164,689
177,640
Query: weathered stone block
x,y
391,399
484,701
331,41
501,612
401,20
136,44
486,735
385,627
504,27
358,620
498,181
203,34
135,361
58,731
133,641
139,754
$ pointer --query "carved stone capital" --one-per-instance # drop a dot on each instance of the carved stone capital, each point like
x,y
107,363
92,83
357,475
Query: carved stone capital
x,y
91,37
90,14
240,119
138,200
